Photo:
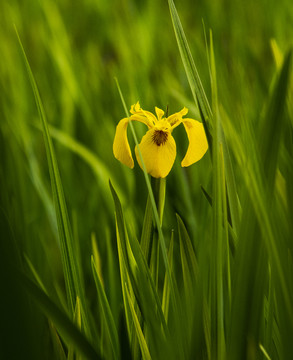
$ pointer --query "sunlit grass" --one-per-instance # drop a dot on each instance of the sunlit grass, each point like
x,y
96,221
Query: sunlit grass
x,y
100,261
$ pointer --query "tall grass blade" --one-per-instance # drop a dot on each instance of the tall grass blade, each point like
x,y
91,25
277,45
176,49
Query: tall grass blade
x,y
77,321
73,283
70,333
260,242
139,279
106,311
217,291
57,344
194,80
102,172
207,115
166,287
142,342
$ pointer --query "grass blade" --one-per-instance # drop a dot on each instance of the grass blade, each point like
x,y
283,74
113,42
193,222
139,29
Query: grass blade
x,y
70,333
200,98
73,283
194,80
106,311
143,345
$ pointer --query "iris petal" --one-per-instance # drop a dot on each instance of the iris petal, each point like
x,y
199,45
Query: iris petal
x,y
175,119
198,144
159,112
142,115
121,146
158,159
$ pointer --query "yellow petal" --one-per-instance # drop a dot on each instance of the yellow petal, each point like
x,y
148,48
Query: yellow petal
x,y
175,119
141,115
198,144
135,108
121,146
159,112
158,159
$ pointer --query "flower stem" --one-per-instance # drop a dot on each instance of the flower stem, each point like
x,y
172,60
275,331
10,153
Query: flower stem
x,y
159,189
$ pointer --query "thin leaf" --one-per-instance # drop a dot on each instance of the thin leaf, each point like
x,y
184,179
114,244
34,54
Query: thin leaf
x,y
73,283
77,322
70,333
166,287
194,80
143,345
106,311
200,98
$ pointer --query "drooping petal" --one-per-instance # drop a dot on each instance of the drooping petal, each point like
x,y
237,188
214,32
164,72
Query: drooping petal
x,y
198,144
175,119
121,148
158,159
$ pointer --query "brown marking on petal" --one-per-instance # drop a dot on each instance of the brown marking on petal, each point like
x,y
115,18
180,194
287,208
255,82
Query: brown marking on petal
x,y
160,137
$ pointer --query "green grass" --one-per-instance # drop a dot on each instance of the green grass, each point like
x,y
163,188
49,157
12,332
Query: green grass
x,y
98,261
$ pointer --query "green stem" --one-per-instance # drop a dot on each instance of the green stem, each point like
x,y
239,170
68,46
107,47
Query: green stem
x,y
159,189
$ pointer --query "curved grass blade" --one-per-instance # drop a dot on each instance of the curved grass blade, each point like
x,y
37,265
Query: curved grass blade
x,y
57,344
260,190
137,268
73,283
191,71
200,98
70,333
99,168
141,339
147,230
136,274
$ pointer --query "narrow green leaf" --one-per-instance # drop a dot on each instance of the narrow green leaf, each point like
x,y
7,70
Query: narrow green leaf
x,y
194,80
57,344
187,253
35,274
190,272
73,283
143,345
70,333
200,98
260,241
106,311
147,230
125,271
272,124
101,171
77,322
140,283
166,287
138,271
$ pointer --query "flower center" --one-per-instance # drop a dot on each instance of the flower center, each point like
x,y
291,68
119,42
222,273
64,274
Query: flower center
x,y
160,137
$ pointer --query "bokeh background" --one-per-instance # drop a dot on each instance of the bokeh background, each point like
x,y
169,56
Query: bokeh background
x,y
75,50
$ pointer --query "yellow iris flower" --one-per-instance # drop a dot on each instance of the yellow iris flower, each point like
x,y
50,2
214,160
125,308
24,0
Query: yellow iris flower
x,y
158,147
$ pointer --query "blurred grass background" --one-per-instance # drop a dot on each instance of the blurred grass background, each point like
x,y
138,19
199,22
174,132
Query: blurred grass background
x,y
75,50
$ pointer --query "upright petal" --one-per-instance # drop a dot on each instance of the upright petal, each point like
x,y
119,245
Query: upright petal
x,y
121,146
141,115
159,112
158,159
198,144
175,119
